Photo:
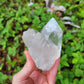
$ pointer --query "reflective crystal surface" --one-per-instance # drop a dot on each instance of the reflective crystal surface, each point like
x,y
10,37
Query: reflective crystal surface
x,y
44,47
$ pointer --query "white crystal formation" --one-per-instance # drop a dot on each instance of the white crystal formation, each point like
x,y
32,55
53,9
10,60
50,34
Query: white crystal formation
x,y
44,47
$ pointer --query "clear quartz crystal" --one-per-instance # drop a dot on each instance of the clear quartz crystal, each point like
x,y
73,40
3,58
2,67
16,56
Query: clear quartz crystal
x,y
44,47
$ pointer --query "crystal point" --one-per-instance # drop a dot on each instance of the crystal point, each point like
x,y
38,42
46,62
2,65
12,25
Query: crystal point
x,y
44,47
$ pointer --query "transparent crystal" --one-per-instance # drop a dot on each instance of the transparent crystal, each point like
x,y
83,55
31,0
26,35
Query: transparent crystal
x,y
44,47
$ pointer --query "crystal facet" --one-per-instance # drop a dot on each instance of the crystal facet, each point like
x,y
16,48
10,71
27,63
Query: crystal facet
x,y
44,47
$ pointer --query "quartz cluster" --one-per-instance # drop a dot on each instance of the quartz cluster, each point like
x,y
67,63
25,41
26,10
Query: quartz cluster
x,y
44,47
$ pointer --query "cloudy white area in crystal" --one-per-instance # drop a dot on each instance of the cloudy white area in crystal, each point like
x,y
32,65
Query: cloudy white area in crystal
x,y
44,47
